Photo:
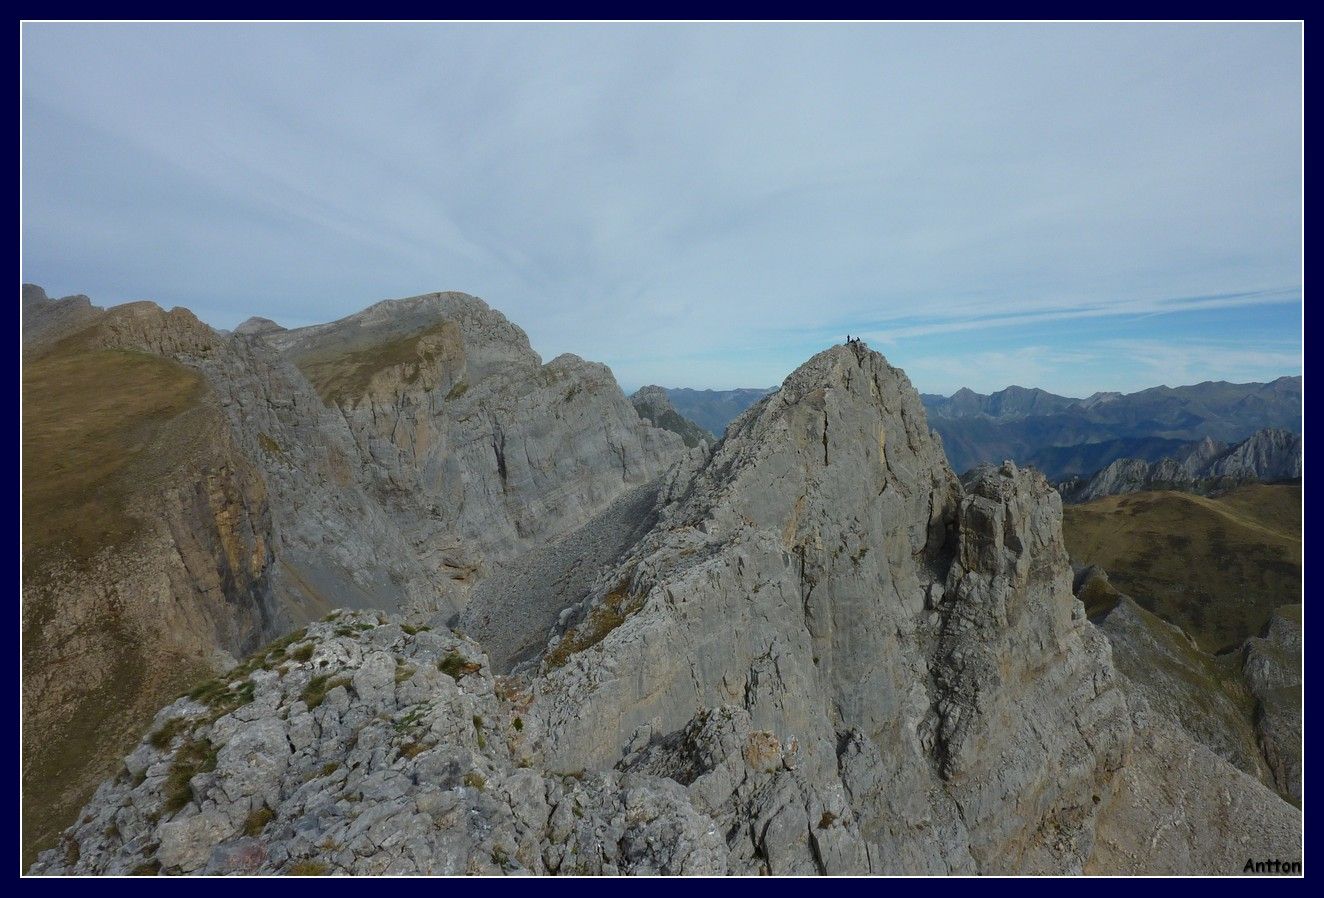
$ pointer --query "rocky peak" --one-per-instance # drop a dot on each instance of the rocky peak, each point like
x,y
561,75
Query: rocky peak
x,y
1269,454
824,570
652,393
46,320
493,343
147,327
845,433
654,406
256,327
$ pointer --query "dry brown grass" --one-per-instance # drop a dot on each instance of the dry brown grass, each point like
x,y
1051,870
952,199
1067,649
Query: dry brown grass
x,y
99,428
1215,567
90,418
340,376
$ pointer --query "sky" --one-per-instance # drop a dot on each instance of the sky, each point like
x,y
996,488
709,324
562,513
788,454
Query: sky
x,y
1075,207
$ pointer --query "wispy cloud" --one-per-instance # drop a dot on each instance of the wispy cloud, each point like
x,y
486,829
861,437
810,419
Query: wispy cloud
x,y
1145,308
698,205
1174,362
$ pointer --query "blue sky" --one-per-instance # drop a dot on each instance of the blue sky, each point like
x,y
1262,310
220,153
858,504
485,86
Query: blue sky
x,y
1077,207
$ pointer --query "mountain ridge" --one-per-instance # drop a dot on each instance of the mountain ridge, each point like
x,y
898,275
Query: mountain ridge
x,y
822,655
808,647
1207,467
1064,436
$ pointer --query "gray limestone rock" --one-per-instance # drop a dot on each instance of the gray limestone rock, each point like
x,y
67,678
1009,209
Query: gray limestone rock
x,y
809,650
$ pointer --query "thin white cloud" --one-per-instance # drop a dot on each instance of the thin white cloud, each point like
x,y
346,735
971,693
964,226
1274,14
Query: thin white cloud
x,y
1129,308
658,195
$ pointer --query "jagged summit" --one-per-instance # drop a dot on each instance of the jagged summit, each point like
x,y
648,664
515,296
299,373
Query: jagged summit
x,y
46,320
477,322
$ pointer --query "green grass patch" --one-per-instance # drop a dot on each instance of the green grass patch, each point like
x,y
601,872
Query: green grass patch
x,y
315,692
412,749
194,757
455,665
162,738
257,820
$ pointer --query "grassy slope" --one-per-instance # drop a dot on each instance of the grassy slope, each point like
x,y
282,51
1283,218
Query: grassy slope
x,y
1216,567
93,423
89,419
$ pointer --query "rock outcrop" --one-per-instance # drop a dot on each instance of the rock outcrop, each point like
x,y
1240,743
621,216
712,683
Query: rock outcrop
x,y
364,745
1272,666
1244,706
654,406
46,320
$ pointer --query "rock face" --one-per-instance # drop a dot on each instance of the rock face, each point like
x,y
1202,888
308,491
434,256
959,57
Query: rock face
x,y
1271,665
654,406
822,653
1207,467
481,452
425,446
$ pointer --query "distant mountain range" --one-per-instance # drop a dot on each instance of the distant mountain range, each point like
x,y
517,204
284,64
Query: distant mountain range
x,y
1207,467
714,409
1066,437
